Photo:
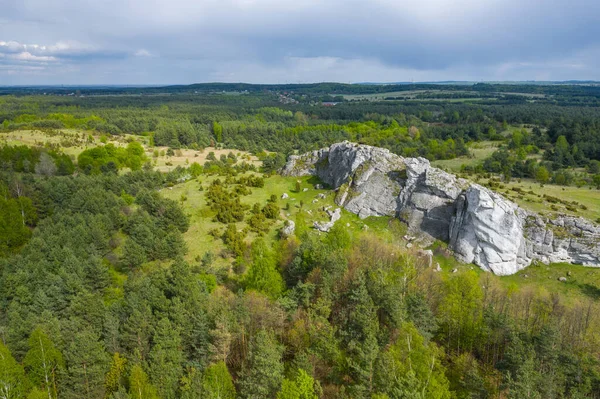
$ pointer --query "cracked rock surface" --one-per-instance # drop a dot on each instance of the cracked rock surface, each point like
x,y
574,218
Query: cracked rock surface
x,y
479,225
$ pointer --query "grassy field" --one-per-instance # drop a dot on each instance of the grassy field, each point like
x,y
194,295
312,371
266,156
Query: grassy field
x,y
407,95
479,152
587,199
199,241
73,142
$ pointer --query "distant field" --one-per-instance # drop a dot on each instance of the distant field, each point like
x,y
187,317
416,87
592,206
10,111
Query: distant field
x,y
407,95
73,142
479,151
586,196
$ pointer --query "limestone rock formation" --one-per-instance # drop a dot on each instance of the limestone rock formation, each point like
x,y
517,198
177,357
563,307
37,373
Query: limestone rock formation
x,y
479,225
334,217
288,228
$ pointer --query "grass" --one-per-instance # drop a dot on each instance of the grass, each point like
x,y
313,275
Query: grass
x,y
200,242
72,142
582,281
479,152
408,95
586,196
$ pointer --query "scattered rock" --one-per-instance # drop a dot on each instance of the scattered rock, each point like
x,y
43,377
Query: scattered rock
x,y
428,254
334,217
569,274
284,196
304,189
563,279
321,196
315,201
409,245
289,227
318,187
454,270
438,268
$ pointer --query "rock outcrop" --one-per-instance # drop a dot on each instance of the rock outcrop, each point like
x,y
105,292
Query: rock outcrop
x,y
334,217
479,225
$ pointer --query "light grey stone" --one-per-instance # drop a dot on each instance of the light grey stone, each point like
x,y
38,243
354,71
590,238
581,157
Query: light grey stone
x,y
334,217
289,228
479,225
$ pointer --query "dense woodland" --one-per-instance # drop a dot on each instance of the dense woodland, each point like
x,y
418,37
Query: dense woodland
x,y
97,299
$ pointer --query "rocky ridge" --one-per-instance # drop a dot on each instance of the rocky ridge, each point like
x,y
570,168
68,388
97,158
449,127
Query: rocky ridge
x,y
479,225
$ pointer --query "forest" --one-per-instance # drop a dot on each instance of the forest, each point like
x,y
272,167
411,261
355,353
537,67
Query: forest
x,y
143,253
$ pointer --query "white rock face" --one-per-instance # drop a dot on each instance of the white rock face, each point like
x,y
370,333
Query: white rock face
x,y
288,228
334,217
480,225
487,231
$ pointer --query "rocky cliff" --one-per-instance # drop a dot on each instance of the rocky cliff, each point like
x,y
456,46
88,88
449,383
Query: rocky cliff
x,y
479,225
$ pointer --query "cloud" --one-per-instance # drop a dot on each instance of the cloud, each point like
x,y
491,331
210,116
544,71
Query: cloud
x,y
142,53
27,56
309,40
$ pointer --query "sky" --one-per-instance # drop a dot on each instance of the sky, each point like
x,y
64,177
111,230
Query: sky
x,y
160,42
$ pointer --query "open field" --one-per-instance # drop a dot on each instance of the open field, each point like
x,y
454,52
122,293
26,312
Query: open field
x,y
73,142
585,199
201,217
479,152
409,95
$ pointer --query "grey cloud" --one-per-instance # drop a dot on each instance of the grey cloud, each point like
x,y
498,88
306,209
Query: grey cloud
x,y
310,40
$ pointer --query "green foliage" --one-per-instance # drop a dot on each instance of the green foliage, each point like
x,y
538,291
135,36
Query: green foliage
x,y
44,363
301,387
262,374
13,383
263,275
110,158
412,368
217,382
115,378
139,386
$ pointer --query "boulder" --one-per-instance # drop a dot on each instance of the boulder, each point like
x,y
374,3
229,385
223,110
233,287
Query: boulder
x,y
479,225
285,196
334,217
289,227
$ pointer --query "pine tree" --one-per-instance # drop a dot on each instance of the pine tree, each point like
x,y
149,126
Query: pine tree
x,y
263,372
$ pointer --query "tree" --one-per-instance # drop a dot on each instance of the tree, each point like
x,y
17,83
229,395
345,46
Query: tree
x,y
43,362
263,275
301,387
139,387
46,165
411,368
87,365
13,383
541,174
218,132
262,373
462,309
115,376
524,386
166,359
217,382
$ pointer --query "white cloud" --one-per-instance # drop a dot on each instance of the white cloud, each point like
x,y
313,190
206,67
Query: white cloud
x,y
27,56
142,53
